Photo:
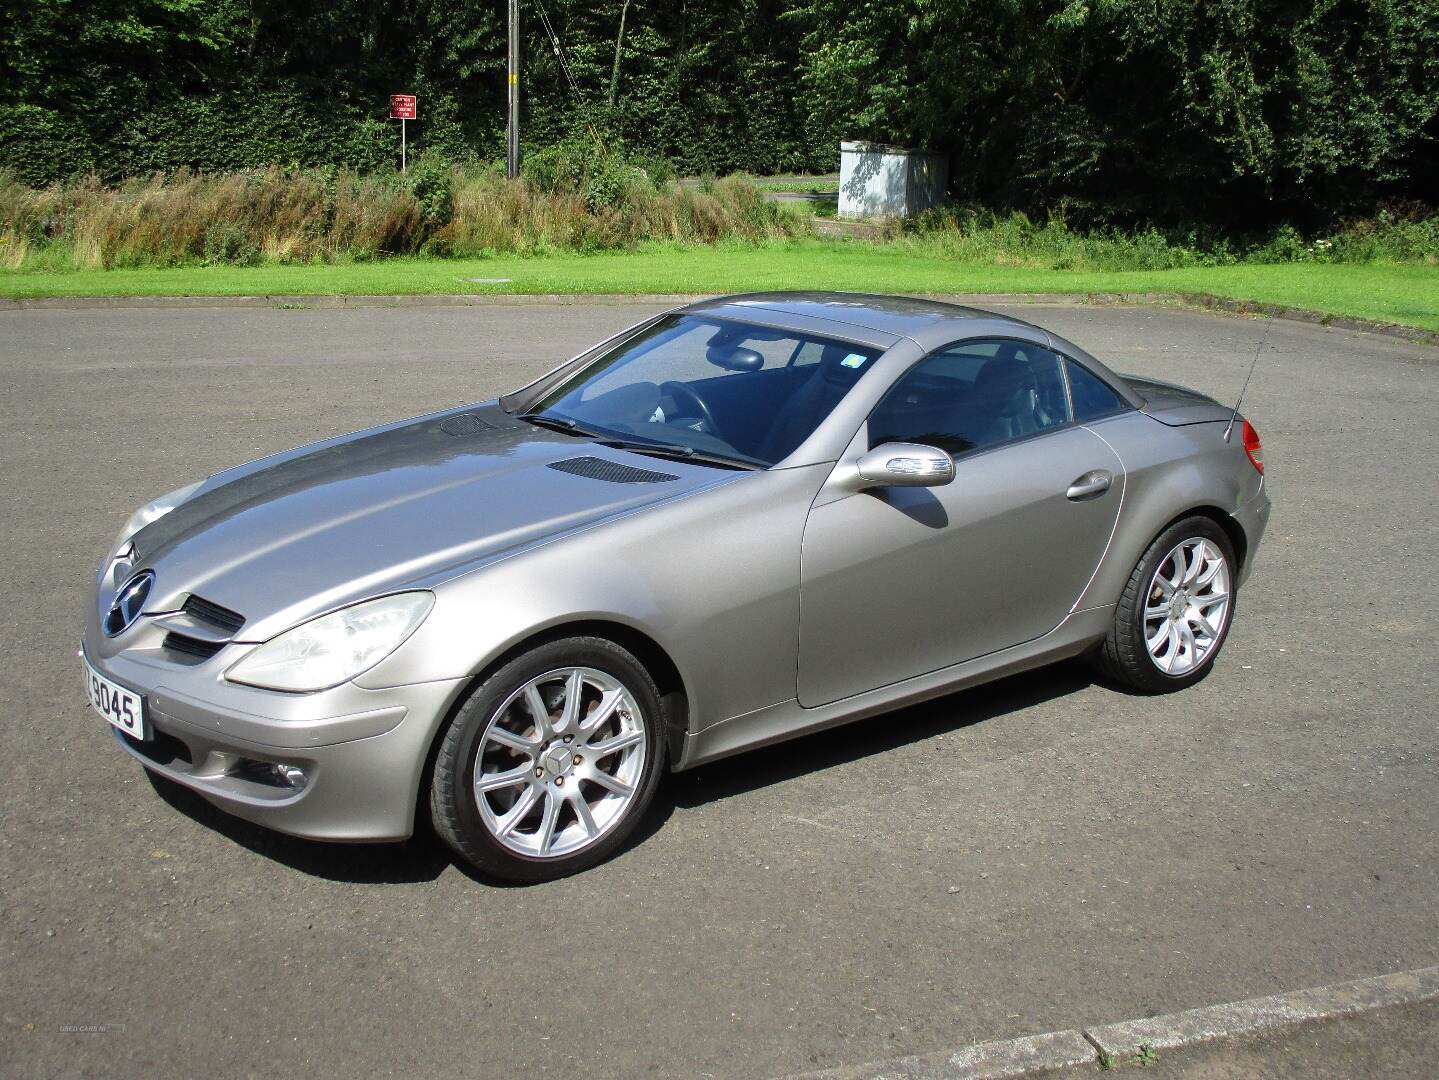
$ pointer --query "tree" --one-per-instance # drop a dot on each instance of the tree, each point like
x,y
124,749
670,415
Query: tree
x,y
1230,110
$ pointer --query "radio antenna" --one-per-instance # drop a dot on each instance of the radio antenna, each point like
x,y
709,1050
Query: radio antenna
x,y
1252,365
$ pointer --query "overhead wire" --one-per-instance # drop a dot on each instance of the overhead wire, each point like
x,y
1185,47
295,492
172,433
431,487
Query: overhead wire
x,y
559,50
565,67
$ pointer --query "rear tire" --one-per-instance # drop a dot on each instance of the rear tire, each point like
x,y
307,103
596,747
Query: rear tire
x,y
1174,614
567,745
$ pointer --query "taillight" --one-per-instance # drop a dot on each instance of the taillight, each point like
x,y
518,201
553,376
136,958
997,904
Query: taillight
x,y
1252,447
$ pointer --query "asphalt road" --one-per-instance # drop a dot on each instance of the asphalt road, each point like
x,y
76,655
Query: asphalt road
x,y
1044,853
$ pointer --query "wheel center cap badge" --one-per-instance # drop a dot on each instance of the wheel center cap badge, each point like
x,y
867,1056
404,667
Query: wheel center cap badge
x,y
557,760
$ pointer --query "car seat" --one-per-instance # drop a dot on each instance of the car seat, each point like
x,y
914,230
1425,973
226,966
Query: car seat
x,y
1006,391
811,403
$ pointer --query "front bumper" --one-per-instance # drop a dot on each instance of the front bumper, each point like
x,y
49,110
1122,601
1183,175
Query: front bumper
x,y
362,752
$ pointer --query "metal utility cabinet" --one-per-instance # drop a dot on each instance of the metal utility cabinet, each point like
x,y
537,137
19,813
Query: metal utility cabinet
x,y
878,181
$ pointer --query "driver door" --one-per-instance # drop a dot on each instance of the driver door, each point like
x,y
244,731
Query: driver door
x,y
898,582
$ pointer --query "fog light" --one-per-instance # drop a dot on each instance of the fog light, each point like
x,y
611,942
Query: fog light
x,y
291,776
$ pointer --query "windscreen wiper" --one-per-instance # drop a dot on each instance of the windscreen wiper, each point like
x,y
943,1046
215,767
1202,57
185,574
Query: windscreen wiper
x,y
638,446
678,453
557,423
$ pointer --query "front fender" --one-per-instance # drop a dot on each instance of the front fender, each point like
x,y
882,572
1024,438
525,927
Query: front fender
x,y
712,579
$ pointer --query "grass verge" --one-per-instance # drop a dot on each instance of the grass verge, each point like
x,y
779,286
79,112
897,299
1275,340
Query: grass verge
x,y
1404,294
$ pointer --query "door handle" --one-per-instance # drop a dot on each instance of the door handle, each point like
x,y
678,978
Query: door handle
x,y
1091,485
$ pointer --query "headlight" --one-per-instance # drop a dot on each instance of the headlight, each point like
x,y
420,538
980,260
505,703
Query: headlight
x,y
334,648
153,511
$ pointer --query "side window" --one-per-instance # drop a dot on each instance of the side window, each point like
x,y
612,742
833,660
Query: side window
x,y
1092,396
973,395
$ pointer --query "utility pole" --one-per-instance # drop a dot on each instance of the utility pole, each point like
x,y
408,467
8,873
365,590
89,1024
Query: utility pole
x,y
619,44
512,148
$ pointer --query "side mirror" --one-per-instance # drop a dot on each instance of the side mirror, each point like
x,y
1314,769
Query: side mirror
x,y
897,464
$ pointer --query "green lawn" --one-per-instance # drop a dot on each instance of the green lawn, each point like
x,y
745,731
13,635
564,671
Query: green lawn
x,y
814,187
1397,294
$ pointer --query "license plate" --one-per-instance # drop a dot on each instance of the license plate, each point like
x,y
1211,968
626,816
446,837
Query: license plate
x,y
123,708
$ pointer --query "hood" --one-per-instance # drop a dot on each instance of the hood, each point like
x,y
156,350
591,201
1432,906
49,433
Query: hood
x,y
402,506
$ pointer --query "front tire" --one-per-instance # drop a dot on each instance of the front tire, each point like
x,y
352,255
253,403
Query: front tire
x,y
1175,611
551,763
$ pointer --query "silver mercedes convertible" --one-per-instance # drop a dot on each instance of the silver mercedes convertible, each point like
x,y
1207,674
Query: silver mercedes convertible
x,y
737,522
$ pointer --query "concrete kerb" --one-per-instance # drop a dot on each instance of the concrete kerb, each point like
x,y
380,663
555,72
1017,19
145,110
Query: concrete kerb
x,y
1273,311
301,301
1119,1042
1199,300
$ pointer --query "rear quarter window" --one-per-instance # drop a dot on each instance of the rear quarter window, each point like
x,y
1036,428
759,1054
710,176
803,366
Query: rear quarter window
x,y
1091,396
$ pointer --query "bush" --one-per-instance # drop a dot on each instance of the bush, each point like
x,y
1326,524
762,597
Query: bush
x,y
968,234
430,184
605,177
228,243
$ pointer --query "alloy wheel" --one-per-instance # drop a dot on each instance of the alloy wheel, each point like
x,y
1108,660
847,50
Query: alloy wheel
x,y
1187,606
560,762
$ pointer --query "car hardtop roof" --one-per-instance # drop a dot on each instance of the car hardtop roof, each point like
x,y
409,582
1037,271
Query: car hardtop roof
x,y
927,321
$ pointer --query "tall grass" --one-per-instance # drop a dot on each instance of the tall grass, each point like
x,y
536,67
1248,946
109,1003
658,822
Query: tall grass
x,y
327,215
493,216
574,198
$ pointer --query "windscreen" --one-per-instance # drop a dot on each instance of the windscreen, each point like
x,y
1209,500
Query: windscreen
x,y
730,390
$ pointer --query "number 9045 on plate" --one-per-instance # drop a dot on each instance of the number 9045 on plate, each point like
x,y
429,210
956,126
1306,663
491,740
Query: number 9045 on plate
x,y
123,708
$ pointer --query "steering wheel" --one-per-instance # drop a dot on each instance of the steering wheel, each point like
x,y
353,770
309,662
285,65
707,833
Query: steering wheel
x,y
685,394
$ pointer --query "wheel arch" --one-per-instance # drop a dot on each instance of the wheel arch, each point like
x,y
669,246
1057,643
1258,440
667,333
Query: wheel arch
x,y
1120,561
1231,528
674,696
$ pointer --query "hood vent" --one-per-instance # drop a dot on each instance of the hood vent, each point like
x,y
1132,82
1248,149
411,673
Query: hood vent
x,y
188,646
200,629
220,618
467,423
612,472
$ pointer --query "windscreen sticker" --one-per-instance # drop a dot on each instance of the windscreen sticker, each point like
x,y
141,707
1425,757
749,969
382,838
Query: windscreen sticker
x,y
853,360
